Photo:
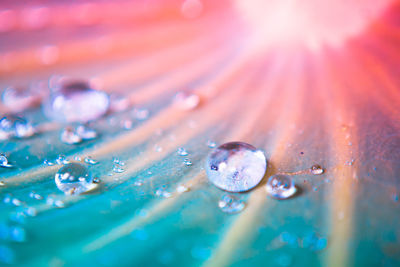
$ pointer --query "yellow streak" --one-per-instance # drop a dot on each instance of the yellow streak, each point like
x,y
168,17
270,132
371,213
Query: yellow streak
x,y
239,231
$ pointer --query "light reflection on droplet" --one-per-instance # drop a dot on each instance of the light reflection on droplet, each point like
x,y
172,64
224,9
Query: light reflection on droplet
x,y
280,186
230,204
316,169
236,166
74,178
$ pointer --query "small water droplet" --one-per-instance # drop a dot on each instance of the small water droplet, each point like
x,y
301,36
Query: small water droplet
x,y
118,169
350,162
211,144
118,162
230,204
316,169
75,101
163,193
35,195
96,180
182,188
182,152
187,162
280,186
85,132
13,126
91,161
138,183
4,161
74,178
141,114
69,136
61,160
186,100
30,211
236,166
48,162
2,184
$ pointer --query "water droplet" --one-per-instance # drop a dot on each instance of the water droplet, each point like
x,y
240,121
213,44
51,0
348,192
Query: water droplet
x,y
350,162
18,99
118,169
69,136
118,162
187,162
230,204
4,161
12,126
138,183
316,169
211,144
280,186
74,178
48,162
35,196
2,184
182,152
163,193
236,166
141,114
75,101
61,160
85,132
186,100
182,188
90,161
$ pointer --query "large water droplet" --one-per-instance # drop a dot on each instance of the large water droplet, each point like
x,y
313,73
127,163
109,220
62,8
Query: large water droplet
x,y
186,100
74,178
75,101
13,126
230,204
280,186
236,166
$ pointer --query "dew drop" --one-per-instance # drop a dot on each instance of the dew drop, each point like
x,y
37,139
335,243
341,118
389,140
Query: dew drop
x,y
4,161
118,169
74,178
316,169
211,144
85,132
118,162
91,161
75,101
18,99
163,193
230,204
280,186
187,162
2,184
186,100
182,152
236,166
13,126
61,160
182,188
48,162
69,136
